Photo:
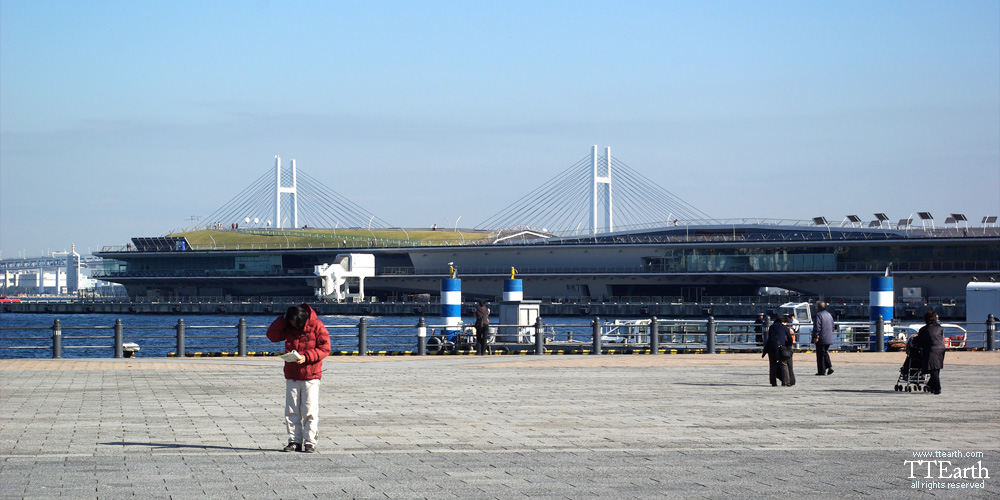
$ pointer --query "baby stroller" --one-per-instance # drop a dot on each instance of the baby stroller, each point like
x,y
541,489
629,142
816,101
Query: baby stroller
x,y
911,377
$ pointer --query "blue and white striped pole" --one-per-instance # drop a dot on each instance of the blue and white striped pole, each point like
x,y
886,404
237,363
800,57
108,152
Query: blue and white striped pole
x,y
513,290
882,302
451,304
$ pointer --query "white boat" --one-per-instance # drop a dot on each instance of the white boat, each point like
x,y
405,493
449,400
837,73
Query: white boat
x,y
800,314
626,331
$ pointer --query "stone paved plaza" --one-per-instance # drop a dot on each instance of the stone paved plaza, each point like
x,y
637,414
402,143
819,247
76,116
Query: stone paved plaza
x,y
638,426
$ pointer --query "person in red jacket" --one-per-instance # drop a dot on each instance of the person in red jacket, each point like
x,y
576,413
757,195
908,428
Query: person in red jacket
x,y
305,334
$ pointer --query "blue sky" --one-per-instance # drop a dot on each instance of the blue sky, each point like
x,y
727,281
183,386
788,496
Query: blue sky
x,y
121,119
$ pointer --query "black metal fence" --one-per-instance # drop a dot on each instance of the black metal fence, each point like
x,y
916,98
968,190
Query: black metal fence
x,y
595,337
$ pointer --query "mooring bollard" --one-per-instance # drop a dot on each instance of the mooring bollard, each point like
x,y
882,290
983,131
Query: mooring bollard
x,y
119,337
362,337
654,336
241,338
879,345
710,336
539,337
180,338
421,337
597,335
991,332
56,339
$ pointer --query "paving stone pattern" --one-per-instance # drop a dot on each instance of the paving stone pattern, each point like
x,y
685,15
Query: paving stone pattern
x,y
496,427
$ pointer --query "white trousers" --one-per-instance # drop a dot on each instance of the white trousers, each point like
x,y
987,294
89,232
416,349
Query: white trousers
x,y
302,410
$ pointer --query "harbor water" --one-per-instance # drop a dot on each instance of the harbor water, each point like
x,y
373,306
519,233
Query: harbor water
x,y
92,335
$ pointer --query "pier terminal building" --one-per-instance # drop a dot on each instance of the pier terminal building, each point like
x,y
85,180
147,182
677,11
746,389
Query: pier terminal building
x,y
687,255
680,262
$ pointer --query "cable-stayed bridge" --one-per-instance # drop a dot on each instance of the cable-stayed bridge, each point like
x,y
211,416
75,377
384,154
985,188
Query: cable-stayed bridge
x,y
285,197
594,195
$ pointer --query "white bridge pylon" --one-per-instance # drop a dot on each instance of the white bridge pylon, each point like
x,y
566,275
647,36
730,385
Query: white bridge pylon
x,y
582,200
601,189
293,190
273,201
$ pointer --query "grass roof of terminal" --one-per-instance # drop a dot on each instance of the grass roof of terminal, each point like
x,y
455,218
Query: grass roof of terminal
x,y
208,239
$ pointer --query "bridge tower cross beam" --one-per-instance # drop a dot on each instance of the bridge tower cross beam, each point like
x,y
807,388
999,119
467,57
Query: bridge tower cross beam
x,y
601,184
289,190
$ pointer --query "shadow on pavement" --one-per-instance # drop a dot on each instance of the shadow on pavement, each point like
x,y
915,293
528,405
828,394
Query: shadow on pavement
x,y
179,446
865,391
716,384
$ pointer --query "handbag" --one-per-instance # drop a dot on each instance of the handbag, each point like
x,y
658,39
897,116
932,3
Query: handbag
x,y
784,352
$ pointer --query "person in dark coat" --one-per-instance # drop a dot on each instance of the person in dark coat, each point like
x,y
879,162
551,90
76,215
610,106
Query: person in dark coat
x,y
482,328
822,336
790,343
759,328
930,340
778,335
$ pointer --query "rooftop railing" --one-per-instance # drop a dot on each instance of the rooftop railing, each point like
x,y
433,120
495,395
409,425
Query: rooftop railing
x,y
694,233
708,267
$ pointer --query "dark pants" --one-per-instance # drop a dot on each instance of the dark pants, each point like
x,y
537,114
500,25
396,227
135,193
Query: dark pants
x,y
779,369
934,384
482,340
823,358
791,373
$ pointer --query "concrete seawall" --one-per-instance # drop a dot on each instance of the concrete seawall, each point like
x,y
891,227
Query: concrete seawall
x,y
602,309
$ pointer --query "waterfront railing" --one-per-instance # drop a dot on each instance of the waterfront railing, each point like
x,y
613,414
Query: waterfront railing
x,y
705,336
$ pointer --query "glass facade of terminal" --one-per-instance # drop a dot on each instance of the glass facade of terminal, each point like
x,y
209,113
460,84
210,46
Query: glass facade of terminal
x,y
743,260
188,264
873,256
903,256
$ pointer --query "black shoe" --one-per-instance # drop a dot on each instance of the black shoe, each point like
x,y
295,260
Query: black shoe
x,y
829,371
308,449
292,447
820,374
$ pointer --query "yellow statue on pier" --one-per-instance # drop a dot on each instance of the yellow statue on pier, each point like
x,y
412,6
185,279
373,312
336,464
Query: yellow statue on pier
x,y
512,271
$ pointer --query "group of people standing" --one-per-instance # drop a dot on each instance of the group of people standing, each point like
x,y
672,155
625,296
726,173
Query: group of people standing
x,y
780,343
780,346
